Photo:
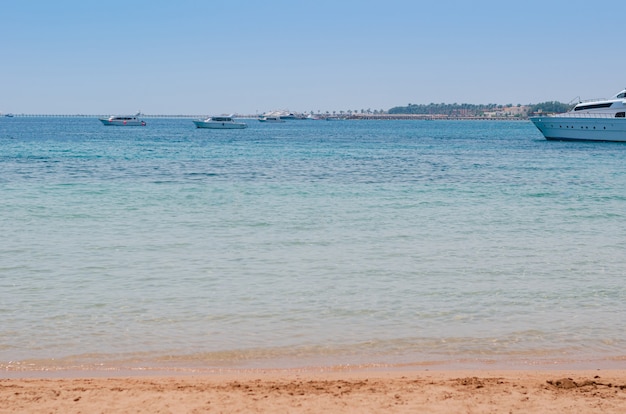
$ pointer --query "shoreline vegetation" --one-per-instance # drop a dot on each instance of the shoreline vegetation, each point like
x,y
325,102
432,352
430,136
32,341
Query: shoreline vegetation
x,y
382,117
410,112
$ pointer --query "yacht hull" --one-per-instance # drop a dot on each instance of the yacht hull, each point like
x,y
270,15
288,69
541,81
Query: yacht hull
x,y
275,120
569,128
219,125
122,122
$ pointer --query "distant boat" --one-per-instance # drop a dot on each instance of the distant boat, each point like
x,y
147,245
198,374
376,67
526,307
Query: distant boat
x,y
220,122
289,115
276,119
284,115
597,120
120,120
8,115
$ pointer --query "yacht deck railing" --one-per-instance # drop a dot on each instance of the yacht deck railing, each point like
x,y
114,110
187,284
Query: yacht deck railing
x,y
584,115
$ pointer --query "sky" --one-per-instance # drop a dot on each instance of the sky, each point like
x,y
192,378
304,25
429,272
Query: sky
x,y
248,57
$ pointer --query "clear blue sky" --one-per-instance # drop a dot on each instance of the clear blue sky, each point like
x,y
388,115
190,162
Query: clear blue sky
x,y
230,56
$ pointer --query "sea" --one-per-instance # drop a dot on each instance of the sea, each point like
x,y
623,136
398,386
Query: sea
x,y
352,243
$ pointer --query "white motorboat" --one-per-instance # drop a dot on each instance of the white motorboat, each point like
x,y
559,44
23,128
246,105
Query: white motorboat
x,y
123,120
279,116
276,119
220,122
597,120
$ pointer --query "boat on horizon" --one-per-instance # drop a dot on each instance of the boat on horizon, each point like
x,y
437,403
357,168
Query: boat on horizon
x,y
595,120
123,120
275,119
220,122
285,115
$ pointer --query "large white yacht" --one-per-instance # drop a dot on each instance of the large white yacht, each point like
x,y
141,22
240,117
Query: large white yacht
x,y
220,122
124,120
597,120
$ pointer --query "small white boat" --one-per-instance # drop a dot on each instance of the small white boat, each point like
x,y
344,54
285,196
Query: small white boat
x,y
220,122
276,119
597,120
123,120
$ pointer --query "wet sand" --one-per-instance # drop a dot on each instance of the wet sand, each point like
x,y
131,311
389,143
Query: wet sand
x,y
317,391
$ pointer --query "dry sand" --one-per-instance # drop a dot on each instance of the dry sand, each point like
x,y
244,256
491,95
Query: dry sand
x,y
480,391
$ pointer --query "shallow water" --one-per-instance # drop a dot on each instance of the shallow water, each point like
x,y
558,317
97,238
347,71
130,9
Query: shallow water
x,y
308,242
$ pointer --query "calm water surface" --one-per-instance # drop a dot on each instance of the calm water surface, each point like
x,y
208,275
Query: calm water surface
x,y
307,243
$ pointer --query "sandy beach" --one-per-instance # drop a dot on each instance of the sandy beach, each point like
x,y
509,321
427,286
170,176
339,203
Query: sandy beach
x,y
480,391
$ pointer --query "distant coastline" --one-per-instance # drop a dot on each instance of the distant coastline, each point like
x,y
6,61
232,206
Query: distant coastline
x,y
378,116
436,117
489,112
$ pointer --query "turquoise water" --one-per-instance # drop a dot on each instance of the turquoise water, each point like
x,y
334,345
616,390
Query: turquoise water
x,y
307,243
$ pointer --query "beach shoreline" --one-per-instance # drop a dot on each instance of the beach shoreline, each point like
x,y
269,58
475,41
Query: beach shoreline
x,y
322,389
111,365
